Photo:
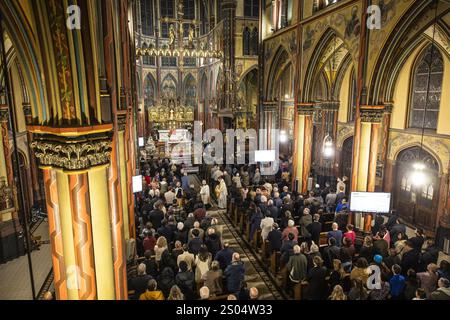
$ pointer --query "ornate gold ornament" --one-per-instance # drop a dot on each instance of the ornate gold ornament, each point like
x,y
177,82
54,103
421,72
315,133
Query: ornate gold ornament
x,y
371,115
72,155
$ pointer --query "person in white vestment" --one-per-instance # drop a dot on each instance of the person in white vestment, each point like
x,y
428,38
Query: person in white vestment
x,y
222,194
204,193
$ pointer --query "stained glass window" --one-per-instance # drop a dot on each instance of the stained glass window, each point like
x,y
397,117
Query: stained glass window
x,y
428,75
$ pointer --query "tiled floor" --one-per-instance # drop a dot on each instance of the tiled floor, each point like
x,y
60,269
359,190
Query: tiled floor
x,y
15,281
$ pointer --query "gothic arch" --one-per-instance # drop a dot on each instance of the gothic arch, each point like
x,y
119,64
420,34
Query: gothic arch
x,y
281,60
149,90
169,86
426,150
19,30
402,41
321,55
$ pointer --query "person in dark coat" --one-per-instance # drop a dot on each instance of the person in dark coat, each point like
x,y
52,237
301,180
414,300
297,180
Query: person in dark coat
x,y
287,248
255,220
418,240
430,255
139,283
167,231
316,278
166,281
410,258
156,215
224,256
151,268
235,273
331,252
181,234
212,242
315,229
185,280
379,221
167,261
196,243
274,237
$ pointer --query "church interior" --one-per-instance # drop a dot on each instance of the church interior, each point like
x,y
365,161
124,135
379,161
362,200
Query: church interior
x,y
118,116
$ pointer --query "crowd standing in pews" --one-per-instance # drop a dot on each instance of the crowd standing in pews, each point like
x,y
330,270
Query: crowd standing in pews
x,y
308,239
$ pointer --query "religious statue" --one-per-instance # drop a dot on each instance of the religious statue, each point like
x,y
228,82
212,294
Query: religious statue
x,y
171,35
171,117
191,37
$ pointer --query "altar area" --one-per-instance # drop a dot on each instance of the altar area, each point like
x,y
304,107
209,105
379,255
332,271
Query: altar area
x,y
172,123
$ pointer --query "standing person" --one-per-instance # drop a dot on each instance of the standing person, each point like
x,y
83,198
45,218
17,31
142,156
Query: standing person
x,y
428,280
235,274
185,182
315,228
336,234
205,193
397,283
222,194
317,280
224,256
443,291
297,266
266,226
257,177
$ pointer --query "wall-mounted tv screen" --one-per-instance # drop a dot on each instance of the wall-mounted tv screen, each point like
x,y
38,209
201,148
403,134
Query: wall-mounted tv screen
x,y
371,202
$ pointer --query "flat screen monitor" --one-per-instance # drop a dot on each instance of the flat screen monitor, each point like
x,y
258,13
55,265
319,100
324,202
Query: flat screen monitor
x,y
370,202
265,156
137,184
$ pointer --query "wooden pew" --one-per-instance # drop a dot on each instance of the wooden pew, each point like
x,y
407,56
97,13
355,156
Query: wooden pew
x,y
247,229
275,262
235,216
264,249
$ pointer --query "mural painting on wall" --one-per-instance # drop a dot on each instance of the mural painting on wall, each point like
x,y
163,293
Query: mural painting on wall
x,y
390,12
347,26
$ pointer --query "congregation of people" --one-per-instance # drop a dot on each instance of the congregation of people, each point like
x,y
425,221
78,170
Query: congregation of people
x,y
180,250
183,255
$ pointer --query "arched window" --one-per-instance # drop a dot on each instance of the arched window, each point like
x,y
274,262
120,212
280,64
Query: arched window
x,y
286,13
246,41
145,59
149,91
428,75
254,40
190,90
251,8
189,9
352,98
147,17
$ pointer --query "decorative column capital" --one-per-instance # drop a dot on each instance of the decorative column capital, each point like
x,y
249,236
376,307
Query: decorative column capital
x,y
122,120
328,105
306,109
73,152
372,114
388,107
4,113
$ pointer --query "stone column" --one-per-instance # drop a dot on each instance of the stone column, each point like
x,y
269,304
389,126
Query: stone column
x,y
365,164
303,148
75,162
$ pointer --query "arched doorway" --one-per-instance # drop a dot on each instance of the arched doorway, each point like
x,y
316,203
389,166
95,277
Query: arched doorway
x,y
417,204
347,158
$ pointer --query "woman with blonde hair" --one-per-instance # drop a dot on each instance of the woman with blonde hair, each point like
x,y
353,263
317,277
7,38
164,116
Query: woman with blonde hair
x,y
337,294
175,293
337,275
160,247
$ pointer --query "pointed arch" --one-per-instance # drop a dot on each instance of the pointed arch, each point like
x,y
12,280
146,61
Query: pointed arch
x,y
169,86
331,49
280,62
402,41
149,90
19,30
429,64
190,90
